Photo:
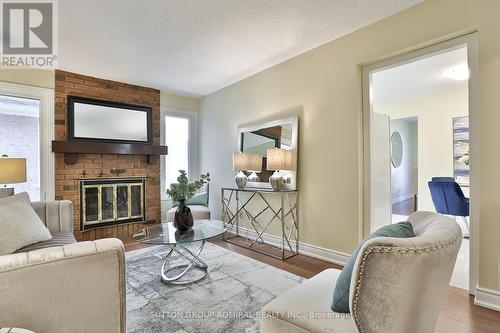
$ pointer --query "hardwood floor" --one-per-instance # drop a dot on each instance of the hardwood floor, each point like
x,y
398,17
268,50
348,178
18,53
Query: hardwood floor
x,y
458,313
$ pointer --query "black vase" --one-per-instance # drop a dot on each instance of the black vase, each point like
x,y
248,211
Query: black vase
x,y
183,220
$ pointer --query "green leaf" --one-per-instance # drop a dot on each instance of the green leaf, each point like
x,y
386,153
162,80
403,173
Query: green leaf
x,y
185,189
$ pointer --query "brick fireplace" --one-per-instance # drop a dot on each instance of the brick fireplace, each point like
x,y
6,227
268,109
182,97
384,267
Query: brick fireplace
x,y
95,166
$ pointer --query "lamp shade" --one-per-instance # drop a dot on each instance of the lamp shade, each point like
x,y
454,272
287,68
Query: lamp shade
x,y
247,162
241,162
279,159
12,170
255,163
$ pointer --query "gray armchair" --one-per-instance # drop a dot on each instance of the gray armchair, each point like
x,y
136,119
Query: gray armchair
x,y
397,286
63,286
199,211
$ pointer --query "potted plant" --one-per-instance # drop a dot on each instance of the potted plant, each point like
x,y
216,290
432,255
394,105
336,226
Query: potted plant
x,y
182,191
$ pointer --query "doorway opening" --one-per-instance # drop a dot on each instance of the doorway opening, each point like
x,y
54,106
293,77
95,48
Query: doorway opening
x,y
419,125
404,167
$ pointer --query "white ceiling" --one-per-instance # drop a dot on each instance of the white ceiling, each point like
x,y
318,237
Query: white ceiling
x,y
424,76
195,47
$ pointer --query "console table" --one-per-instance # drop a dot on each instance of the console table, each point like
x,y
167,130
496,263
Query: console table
x,y
262,220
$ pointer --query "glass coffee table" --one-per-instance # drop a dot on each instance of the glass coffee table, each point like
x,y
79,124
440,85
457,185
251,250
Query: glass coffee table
x,y
166,234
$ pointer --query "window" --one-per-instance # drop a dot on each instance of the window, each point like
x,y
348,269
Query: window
x,y
27,130
177,140
20,137
179,134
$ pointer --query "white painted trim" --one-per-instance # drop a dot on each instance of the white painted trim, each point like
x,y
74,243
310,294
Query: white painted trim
x,y
314,251
470,39
192,117
46,98
403,198
474,219
487,298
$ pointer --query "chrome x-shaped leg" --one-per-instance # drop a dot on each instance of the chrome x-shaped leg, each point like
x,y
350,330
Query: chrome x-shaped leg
x,y
193,262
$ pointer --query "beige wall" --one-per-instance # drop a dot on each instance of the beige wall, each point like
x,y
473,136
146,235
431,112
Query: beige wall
x,y
326,84
435,133
32,77
168,100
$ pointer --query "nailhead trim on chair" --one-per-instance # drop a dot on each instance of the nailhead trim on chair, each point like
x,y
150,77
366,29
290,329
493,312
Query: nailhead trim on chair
x,y
393,250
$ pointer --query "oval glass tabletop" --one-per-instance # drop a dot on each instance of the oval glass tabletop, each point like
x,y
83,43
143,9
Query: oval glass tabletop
x,y
167,234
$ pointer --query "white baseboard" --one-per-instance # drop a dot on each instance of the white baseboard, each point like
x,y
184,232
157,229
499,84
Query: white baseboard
x,y
487,298
402,198
336,257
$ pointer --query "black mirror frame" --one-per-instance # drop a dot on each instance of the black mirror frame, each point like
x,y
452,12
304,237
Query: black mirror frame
x,y
92,101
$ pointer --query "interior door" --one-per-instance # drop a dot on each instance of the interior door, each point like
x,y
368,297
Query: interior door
x,y
381,206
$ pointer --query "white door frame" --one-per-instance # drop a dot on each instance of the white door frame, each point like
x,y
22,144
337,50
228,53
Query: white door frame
x,y
46,98
471,41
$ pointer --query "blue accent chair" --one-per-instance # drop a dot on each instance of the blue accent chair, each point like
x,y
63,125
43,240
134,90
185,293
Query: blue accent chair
x,y
448,198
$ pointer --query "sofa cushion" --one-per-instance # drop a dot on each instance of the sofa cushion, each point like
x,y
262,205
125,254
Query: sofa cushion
x,y
20,197
20,226
199,213
340,301
198,199
58,239
306,308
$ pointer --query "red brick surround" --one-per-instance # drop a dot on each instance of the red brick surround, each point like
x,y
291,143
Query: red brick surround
x,y
99,165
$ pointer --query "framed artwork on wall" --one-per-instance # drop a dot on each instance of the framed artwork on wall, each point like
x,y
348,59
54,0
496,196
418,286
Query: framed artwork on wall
x,y
461,150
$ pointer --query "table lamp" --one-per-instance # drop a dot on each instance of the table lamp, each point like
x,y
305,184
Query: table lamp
x,y
278,159
254,167
241,162
12,170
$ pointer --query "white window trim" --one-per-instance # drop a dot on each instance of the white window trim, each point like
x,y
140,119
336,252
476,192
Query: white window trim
x,y
192,117
46,98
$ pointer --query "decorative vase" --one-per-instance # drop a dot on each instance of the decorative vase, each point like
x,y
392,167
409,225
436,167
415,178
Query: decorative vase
x,y
183,220
241,180
253,177
276,181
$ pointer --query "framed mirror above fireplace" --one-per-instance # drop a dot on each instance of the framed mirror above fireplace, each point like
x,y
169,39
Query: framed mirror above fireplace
x,y
105,121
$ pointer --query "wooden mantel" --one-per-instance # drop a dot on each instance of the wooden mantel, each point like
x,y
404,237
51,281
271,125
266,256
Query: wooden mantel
x,y
71,148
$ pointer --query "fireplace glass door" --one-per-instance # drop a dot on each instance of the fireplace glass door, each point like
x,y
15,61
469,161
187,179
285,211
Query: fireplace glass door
x,y
122,202
91,204
106,202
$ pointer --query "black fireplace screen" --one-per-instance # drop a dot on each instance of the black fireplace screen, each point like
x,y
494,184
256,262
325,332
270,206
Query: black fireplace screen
x,y
111,201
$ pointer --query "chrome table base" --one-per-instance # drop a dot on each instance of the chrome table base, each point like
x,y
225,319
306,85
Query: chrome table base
x,y
193,261
254,224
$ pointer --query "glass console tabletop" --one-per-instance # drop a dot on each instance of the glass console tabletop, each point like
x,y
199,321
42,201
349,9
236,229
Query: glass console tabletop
x,y
166,234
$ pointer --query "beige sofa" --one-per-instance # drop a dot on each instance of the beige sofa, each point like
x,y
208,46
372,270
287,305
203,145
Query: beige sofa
x,y
61,286
397,286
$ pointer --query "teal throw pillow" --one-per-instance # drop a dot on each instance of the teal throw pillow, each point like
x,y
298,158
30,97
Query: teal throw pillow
x,y
198,199
340,301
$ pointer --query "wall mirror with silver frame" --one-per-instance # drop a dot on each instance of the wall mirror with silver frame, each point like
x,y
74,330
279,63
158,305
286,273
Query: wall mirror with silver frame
x,y
396,149
258,138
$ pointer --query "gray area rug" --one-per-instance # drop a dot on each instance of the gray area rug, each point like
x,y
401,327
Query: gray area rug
x,y
226,300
